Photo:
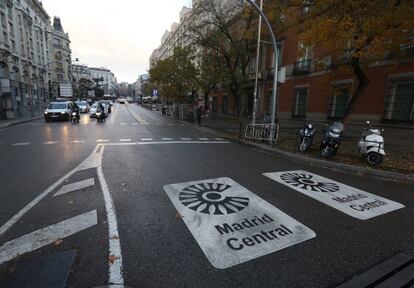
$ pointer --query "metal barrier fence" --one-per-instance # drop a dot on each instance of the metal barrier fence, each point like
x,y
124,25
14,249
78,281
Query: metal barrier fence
x,y
262,132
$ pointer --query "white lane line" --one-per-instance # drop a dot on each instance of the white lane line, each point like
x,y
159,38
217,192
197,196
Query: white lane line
x,y
137,117
77,141
75,186
21,144
87,163
47,235
102,140
125,140
113,116
51,142
186,139
115,252
182,142
203,139
167,139
146,139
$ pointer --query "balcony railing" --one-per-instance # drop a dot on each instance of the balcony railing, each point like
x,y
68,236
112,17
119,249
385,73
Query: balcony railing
x,y
302,67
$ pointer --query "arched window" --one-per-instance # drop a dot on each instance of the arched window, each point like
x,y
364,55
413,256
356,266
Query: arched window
x,y
4,72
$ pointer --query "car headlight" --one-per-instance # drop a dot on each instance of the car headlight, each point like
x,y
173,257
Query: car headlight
x,y
45,112
63,112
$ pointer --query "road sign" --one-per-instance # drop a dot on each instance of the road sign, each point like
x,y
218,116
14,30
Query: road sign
x,y
154,93
231,224
352,201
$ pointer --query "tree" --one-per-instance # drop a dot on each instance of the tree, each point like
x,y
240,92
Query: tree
x,y
176,75
225,30
353,32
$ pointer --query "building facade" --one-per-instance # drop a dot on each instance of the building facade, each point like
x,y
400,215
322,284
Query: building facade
x,y
24,58
60,58
106,79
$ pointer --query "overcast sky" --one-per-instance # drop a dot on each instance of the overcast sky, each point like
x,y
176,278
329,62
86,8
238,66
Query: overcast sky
x,y
119,35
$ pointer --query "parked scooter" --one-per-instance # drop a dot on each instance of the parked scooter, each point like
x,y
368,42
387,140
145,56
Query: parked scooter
x,y
331,140
371,145
306,137
75,117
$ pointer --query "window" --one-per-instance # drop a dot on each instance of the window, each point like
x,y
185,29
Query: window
x,y
3,70
224,104
60,77
300,102
399,101
3,20
338,103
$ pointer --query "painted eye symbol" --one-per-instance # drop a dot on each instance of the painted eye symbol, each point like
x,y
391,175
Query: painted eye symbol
x,y
208,198
306,182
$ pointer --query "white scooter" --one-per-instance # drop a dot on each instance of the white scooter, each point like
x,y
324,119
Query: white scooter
x,y
371,145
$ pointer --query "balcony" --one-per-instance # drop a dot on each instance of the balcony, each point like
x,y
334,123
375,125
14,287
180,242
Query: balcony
x,y
302,67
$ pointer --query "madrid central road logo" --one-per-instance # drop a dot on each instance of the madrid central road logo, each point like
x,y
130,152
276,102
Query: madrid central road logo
x,y
209,198
307,182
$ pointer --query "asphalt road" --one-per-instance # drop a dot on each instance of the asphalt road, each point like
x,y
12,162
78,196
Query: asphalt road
x,y
127,205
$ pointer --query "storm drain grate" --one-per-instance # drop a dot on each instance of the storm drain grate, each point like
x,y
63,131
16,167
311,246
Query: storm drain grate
x,y
49,271
396,272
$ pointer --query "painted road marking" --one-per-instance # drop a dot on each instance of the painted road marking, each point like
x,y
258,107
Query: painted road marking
x,y
349,200
218,139
51,142
186,139
115,252
146,139
137,117
88,163
46,236
231,224
75,186
125,140
135,123
77,141
21,144
102,140
167,139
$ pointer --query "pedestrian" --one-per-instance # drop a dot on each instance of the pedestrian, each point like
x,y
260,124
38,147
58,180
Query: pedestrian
x,y
198,113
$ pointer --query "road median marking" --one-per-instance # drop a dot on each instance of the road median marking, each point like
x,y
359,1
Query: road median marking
x,y
349,200
22,144
125,140
51,142
75,186
231,224
46,236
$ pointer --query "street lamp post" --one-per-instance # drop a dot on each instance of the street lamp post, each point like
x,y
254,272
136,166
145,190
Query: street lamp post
x,y
274,94
256,82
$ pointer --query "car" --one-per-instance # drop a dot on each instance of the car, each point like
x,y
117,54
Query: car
x,y
121,101
92,110
83,106
60,110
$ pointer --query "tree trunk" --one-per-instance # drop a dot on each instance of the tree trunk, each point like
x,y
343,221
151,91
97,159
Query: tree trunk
x,y
363,82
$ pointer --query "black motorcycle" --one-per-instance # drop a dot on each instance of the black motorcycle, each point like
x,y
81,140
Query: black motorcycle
x,y
306,137
75,117
331,140
100,115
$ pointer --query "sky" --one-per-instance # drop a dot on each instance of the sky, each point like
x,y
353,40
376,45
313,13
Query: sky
x,y
119,35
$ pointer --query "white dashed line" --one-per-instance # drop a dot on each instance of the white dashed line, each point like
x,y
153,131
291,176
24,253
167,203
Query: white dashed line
x,y
51,142
125,140
102,140
167,139
186,139
146,139
21,144
77,141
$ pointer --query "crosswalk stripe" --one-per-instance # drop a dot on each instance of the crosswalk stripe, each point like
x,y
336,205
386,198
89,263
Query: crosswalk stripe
x,y
102,140
77,141
186,139
75,186
51,142
47,235
21,144
167,139
146,139
125,140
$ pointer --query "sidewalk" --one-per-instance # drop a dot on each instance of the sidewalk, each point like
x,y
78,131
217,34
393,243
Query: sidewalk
x,y
399,142
7,123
